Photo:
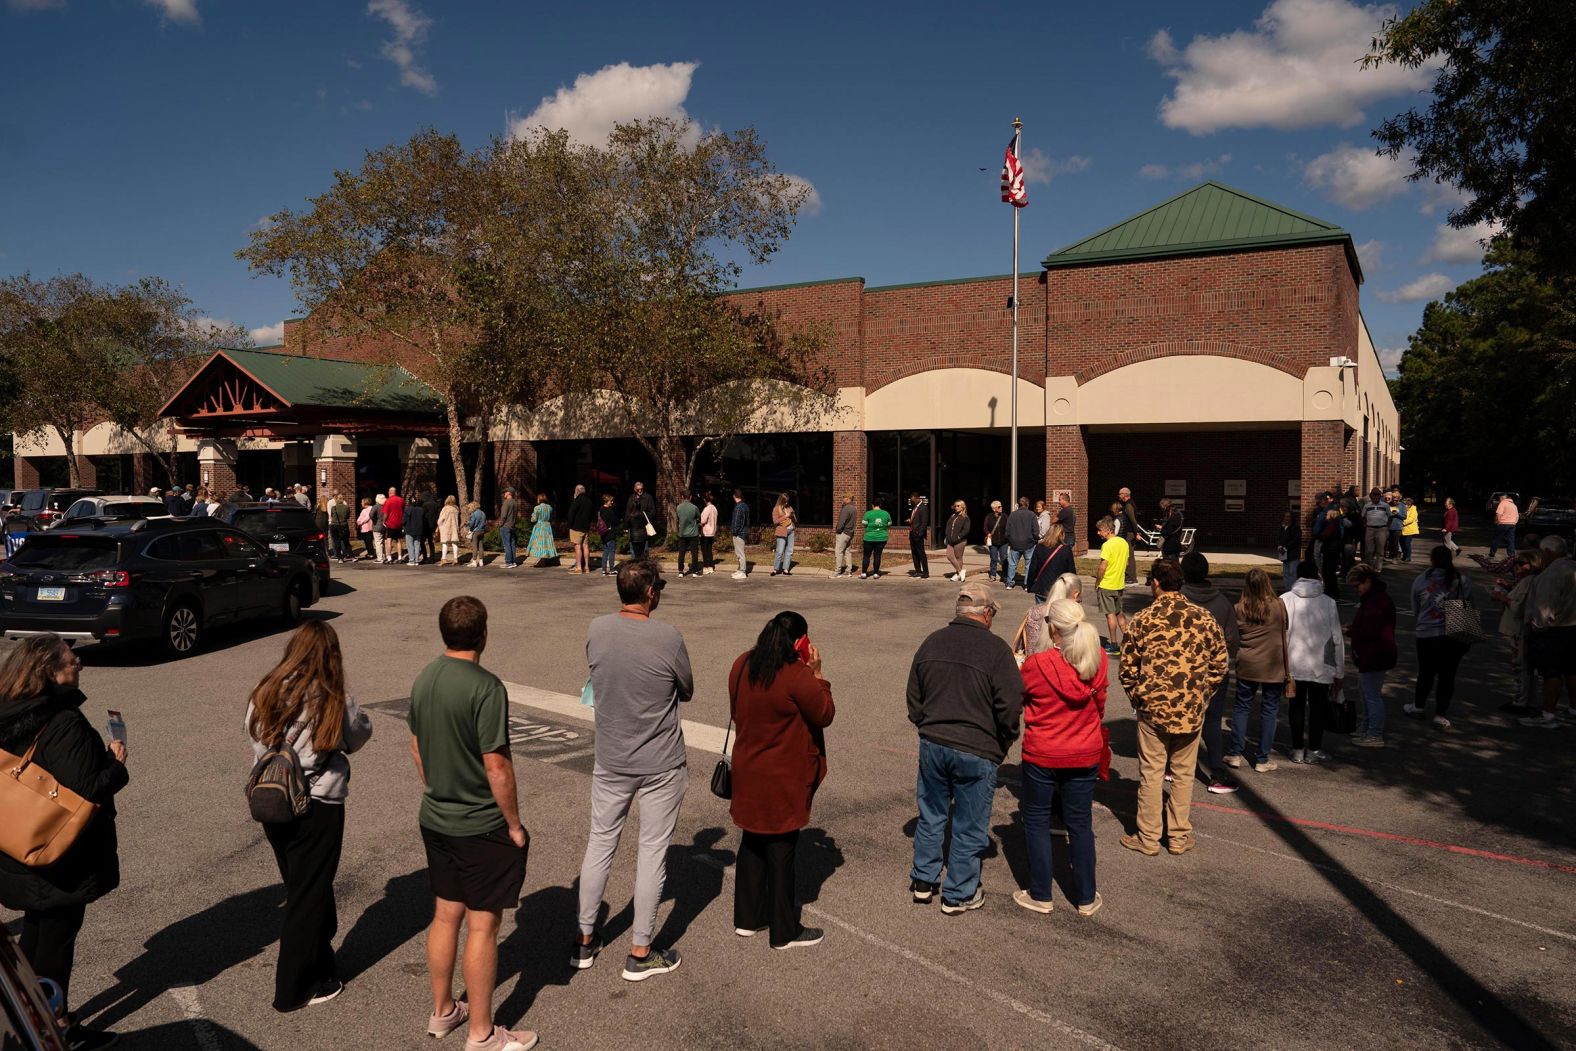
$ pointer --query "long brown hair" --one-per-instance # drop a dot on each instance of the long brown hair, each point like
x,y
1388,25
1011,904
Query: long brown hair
x,y
29,669
1258,602
311,675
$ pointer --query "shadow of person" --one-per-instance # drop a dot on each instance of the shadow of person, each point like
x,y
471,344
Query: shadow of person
x,y
537,949
198,1034
191,951
394,919
694,881
819,856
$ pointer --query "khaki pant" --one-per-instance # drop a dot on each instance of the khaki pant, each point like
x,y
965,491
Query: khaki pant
x,y
1158,752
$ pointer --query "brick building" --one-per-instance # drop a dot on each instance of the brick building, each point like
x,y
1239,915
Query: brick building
x,y
1210,348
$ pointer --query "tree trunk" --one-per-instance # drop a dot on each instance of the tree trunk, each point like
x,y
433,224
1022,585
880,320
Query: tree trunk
x,y
457,451
68,438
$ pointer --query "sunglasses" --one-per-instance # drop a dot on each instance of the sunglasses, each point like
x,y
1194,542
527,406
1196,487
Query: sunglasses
x,y
659,585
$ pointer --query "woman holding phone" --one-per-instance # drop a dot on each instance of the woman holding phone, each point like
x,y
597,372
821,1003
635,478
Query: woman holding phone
x,y
41,708
781,707
302,702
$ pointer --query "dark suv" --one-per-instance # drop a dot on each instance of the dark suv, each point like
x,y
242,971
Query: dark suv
x,y
286,527
167,580
43,506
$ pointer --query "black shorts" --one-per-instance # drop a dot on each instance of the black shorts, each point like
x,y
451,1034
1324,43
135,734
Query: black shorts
x,y
1552,652
484,873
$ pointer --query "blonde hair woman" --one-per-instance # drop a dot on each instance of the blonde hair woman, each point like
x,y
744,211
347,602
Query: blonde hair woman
x,y
1065,750
449,532
1036,637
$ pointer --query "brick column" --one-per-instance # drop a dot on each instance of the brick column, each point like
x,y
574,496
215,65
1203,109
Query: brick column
x,y
1067,467
1352,471
334,459
850,474
418,458
216,466
1324,461
25,473
514,464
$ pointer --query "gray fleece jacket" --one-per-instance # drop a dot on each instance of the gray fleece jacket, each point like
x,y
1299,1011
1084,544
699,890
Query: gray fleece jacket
x,y
329,776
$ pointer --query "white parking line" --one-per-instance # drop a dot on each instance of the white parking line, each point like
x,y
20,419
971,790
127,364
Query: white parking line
x,y
701,736
185,996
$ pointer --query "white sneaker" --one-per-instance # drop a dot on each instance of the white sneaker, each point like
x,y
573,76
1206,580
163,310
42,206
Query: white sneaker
x,y
1441,722
737,575
1543,720
1411,709
963,575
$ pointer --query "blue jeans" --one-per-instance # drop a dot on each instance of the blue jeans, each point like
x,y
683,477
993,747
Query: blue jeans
x,y
1041,785
965,785
998,560
1504,536
1269,708
783,561
609,555
1016,558
413,549
1372,684
1406,548
506,534
1291,572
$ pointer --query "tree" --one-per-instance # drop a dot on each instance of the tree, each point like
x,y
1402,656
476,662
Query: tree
x,y
1495,354
1502,119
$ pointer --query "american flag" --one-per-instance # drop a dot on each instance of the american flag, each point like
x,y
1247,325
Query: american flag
x,y
1012,191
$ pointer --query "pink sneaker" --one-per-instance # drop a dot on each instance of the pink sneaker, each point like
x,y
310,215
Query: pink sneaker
x,y
503,1040
442,1025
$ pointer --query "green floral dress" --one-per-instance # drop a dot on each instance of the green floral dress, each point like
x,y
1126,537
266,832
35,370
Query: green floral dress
x,y
541,545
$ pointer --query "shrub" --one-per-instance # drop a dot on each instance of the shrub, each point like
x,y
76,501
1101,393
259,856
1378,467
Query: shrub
x,y
820,542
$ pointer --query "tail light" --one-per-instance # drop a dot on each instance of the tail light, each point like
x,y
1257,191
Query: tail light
x,y
110,578
315,538
46,515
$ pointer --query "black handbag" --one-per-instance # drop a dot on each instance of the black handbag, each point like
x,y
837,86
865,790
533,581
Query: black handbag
x,y
722,773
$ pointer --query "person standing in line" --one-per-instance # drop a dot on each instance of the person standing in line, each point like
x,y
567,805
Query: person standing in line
x,y
1021,535
1263,669
1289,548
1067,518
877,525
339,512
1372,634
301,496
1330,551
415,522
1409,527
739,530
1197,589
708,533
542,546
1043,520
1053,556
431,507
1452,526
1438,655
1170,530
1173,659
996,540
364,529
1506,518
781,706
640,674
380,531
581,511
476,525
1376,529
783,529
1313,631
1550,619
607,526
1129,530
1397,520
640,512
956,537
965,697
1112,576
843,555
394,523
470,823
508,512
918,535
449,532
687,517
1066,747
41,709
303,703
172,503
1513,626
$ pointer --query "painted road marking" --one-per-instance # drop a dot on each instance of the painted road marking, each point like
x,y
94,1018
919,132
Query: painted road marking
x,y
700,736
185,996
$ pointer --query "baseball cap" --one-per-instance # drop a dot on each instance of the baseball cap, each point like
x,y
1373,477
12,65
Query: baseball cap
x,y
977,595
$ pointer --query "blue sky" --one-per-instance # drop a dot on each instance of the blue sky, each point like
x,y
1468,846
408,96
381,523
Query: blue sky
x,y
146,137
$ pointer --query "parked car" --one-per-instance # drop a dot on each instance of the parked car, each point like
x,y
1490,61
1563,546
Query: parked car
x,y
1555,516
27,1018
167,580
43,506
286,527
118,507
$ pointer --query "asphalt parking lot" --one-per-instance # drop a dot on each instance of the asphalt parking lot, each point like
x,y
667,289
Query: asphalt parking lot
x,y
1416,896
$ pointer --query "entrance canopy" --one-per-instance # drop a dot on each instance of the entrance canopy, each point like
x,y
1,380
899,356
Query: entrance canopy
x,y
258,394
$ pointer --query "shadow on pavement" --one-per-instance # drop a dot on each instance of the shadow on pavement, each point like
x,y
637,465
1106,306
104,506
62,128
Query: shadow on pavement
x,y
537,949
818,857
145,653
386,924
199,1034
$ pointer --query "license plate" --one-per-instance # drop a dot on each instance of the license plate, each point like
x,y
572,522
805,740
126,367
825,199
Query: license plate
x,y
51,594
279,547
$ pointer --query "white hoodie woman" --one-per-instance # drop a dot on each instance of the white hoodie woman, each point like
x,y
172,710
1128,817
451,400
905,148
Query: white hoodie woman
x,y
1317,653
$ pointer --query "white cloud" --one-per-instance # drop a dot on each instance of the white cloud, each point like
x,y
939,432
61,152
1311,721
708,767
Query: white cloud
x,y
1390,360
1464,245
1191,172
1371,255
1437,195
410,33
811,205
177,10
1037,167
1429,286
268,335
1357,177
1298,67
590,107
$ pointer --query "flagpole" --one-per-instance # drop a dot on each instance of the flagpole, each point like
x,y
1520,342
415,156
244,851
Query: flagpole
x,y
1012,488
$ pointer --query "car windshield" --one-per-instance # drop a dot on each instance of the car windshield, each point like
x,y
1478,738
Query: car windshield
x,y
69,554
273,521
132,510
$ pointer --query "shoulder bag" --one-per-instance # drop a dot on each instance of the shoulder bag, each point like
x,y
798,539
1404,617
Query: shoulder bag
x,y
651,530
1463,623
43,818
722,773
1020,638
278,792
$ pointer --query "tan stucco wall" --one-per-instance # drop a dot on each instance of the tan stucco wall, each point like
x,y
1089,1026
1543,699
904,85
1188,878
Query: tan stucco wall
x,y
953,399
1196,389
104,439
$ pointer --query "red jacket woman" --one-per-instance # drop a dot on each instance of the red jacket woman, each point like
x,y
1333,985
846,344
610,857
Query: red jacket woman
x,y
1372,630
1063,716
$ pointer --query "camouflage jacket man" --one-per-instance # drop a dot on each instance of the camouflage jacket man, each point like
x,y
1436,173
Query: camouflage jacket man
x,y
1173,658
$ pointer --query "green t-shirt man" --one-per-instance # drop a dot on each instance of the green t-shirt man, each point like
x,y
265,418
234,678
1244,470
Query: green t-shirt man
x,y
688,516
459,711
877,522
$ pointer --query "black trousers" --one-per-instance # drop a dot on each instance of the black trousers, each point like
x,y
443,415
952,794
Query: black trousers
x,y
1211,757
308,854
1438,658
49,941
689,545
1314,699
763,889
873,549
916,548
706,545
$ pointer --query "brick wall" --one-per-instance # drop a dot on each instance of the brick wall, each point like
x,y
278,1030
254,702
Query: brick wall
x,y
341,476
962,324
1324,463
514,464
850,472
24,473
1067,467
833,308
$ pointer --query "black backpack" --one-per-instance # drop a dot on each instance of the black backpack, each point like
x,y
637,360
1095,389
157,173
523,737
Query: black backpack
x,y
278,791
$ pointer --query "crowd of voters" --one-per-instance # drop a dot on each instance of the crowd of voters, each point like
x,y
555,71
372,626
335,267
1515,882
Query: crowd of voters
x,y
1205,676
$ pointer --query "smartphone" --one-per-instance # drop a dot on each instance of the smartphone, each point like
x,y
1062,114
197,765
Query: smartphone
x,y
802,648
117,726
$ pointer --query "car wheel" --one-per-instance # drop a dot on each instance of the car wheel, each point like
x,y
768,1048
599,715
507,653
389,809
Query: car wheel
x,y
290,606
182,630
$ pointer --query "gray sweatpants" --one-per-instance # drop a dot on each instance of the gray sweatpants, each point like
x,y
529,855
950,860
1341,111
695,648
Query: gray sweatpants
x,y
738,552
659,796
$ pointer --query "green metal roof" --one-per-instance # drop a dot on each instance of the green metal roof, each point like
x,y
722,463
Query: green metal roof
x,y
338,384
1210,217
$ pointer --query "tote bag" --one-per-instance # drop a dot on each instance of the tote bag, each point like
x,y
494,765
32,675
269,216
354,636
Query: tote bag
x,y
43,817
